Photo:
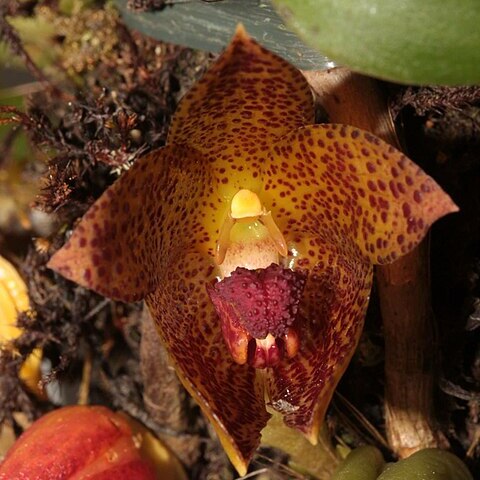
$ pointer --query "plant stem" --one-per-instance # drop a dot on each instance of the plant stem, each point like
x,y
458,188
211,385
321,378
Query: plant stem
x,y
410,352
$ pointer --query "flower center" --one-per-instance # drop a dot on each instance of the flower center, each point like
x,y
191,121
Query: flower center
x,y
246,207
257,300
258,309
245,204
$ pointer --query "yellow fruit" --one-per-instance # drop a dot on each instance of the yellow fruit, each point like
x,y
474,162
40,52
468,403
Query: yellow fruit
x,y
13,300
153,449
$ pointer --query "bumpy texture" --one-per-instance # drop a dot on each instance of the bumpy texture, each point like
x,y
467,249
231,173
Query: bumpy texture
x,y
264,300
342,198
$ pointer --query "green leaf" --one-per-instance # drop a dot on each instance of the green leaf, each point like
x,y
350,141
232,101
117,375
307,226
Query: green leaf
x,y
419,42
364,463
428,464
36,34
210,26
318,460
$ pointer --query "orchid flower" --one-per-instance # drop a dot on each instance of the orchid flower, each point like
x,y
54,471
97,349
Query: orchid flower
x,y
252,237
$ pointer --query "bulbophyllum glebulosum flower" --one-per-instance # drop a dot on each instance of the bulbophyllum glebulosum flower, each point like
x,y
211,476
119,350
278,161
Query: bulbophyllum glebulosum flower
x,y
252,237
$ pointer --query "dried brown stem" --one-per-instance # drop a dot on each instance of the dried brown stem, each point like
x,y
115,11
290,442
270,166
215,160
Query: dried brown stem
x,y
164,397
410,352
409,327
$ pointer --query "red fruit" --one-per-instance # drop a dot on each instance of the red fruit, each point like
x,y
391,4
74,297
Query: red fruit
x,y
79,442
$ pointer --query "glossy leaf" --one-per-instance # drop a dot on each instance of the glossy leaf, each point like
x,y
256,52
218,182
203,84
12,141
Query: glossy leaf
x,y
432,41
324,190
210,26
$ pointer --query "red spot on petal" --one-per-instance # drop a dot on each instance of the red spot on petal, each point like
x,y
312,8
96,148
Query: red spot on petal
x,y
417,196
407,211
87,275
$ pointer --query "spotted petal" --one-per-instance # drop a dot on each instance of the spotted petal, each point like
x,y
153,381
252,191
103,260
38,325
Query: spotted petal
x,y
248,98
355,185
123,245
231,395
333,310
148,236
345,200
342,199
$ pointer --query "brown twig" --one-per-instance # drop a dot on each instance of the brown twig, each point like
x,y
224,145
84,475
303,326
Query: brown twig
x,y
404,286
360,424
12,115
164,397
84,390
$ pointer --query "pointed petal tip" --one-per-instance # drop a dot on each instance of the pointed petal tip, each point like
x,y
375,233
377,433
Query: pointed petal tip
x,y
238,460
311,432
241,32
452,207
312,435
241,468
444,206
60,262
239,463
52,263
